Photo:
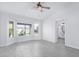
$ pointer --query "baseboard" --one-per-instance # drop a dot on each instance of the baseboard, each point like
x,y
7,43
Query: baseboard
x,y
9,43
72,46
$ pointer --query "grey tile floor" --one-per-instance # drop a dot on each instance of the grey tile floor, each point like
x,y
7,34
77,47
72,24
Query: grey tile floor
x,y
39,48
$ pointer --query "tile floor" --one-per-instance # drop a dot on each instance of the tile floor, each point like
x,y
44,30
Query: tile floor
x,y
38,48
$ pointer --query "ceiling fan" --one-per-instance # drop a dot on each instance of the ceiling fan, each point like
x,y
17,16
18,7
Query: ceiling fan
x,y
40,6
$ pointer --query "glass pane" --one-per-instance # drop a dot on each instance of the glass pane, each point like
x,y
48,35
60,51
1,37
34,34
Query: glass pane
x,y
11,29
36,28
23,29
27,29
20,26
20,30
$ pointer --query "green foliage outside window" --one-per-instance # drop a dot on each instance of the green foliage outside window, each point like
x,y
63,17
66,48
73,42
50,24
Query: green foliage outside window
x,y
11,29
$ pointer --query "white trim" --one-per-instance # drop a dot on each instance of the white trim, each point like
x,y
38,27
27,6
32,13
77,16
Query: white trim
x,y
72,46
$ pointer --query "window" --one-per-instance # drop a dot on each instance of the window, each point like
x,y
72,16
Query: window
x,y
28,29
36,27
23,29
11,29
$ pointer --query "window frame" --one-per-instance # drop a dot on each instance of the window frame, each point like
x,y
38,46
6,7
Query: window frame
x,y
24,24
11,22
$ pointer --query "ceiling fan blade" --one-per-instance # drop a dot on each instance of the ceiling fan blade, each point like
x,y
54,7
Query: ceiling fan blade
x,y
46,7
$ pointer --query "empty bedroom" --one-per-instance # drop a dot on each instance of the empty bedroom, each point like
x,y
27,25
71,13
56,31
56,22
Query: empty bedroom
x,y
39,29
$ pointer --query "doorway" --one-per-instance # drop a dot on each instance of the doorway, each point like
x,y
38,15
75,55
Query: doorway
x,y
60,31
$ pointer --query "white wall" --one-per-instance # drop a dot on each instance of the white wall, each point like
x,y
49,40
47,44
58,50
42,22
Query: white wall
x,y
49,30
70,13
72,26
6,17
3,31
0,28
49,25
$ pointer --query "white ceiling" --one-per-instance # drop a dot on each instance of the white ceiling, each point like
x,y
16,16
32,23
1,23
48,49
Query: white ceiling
x,y
26,8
